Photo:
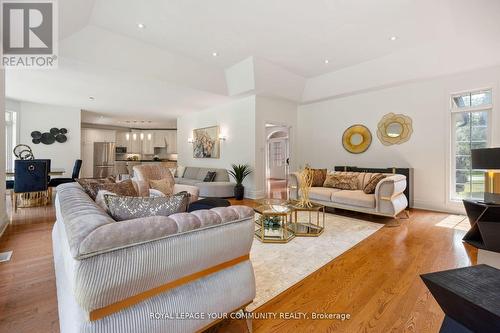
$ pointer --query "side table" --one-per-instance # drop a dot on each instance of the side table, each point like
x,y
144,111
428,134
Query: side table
x,y
485,225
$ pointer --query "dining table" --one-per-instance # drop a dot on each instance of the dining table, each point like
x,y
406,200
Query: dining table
x,y
52,172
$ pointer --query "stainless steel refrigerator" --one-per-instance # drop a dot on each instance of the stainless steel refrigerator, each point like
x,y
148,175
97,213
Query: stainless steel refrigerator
x,y
104,159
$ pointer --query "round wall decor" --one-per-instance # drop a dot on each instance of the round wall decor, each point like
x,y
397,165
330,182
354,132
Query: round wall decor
x,y
394,129
48,138
356,139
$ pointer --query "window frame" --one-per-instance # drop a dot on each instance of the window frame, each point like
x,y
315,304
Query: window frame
x,y
11,137
454,110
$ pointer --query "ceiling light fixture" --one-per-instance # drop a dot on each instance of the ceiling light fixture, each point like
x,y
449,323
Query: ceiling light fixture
x,y
393,38
92,98
141,25
215,54
327,61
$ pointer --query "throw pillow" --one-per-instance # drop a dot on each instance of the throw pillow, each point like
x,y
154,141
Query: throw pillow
x,y
372,183
343,182
210,176
124,188
91,185
123,208
99,199
165,185
319,176
180,171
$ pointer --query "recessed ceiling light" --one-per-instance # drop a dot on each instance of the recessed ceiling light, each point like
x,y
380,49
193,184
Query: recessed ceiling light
x,y
92,98
215,54
326,61
141,25
393,38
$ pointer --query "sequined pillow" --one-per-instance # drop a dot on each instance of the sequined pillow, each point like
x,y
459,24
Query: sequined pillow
x,y
91,185
165,185
372,183
124,188
343,182
123,208
319,176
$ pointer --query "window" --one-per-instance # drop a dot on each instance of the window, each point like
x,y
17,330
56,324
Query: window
x,y
277,153
10,138
470,130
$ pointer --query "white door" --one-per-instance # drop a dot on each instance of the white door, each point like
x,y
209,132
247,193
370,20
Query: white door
x,y
277,158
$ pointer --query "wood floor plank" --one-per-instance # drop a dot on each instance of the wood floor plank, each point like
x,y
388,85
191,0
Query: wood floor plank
x,y
377,281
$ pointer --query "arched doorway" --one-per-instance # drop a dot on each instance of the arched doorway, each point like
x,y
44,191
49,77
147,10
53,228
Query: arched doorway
x,y
277,161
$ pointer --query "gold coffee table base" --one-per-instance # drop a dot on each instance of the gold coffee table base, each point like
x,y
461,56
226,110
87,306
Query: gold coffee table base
x,y
305,229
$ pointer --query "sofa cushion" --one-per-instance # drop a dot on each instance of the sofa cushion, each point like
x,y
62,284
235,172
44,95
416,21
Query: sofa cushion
x,y
318,177
91,185
341,181
356,198
186,181
124,188
210,176
322,193
372,183
165,185
190,173
127,208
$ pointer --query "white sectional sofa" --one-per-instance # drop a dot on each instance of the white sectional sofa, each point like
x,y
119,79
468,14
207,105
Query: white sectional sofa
x,y
388,200
221,187
133,276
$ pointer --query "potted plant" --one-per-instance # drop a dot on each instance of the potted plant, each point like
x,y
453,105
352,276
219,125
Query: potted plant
x,y
239,173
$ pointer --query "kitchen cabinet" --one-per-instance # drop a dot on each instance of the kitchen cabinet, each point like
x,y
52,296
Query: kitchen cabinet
x,y
135,142
147,142
121,139
169,137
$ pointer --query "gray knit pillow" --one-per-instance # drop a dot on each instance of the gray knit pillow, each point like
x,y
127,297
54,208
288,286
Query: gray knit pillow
x,y
126,208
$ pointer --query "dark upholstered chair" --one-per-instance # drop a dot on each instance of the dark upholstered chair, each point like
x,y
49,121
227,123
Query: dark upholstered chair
x,y
31,176
76,173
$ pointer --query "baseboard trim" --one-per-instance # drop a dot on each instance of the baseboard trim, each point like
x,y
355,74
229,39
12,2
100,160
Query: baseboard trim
x,y
5,221
432,206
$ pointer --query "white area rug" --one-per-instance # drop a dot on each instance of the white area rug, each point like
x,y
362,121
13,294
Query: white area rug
x,y
279,266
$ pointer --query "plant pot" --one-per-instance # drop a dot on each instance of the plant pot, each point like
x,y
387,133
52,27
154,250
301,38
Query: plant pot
x,y
239,192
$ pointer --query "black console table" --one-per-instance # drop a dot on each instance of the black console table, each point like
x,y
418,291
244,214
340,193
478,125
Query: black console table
x,y
469,297
485,225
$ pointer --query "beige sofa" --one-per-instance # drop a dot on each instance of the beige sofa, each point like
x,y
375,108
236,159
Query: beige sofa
x,y
128,276
388,199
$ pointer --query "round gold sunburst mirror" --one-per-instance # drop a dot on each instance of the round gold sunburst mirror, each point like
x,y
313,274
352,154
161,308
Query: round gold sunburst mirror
x,y
394,129
356,139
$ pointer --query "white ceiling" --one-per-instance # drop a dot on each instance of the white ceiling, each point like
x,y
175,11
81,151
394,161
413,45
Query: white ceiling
x,y
167,68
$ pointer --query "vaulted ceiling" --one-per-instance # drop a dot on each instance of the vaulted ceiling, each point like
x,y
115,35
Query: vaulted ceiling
x,y
167,67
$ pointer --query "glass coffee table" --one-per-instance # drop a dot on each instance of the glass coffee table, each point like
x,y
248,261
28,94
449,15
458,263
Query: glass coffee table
x,y
307,221
272,220
279,221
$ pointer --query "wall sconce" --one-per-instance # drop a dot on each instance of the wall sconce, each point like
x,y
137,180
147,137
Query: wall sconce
x,y
222,137
149,136
190,140
127,136
142,136
134,136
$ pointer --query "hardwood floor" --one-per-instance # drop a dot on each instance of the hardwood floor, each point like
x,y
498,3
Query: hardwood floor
x,y
377,282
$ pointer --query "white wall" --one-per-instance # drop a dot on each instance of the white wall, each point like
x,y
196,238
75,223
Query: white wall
x,y
237,123
322,124
3,213
41,117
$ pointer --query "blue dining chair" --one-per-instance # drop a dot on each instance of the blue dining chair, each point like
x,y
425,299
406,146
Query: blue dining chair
x,y
31,176
76,173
